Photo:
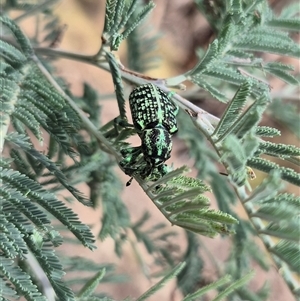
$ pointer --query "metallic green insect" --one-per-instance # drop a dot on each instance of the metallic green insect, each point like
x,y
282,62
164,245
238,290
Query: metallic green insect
x,y
154,118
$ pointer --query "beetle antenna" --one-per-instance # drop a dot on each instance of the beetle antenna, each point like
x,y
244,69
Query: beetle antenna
x,y
129,182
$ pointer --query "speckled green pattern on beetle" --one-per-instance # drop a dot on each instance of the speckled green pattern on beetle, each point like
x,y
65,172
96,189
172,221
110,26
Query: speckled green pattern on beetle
x,y
154,118
150,106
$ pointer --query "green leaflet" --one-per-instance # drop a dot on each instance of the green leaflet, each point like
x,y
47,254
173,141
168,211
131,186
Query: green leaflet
x,y
119,22
25,286
250,118
279,150
267,40
264,165
282,71
91,285
119,90
214,91
184,204
289,252
33,191
173,273
142,46
207,60
22,40
266,131
285,24
288,231
233,111
11,54
225,73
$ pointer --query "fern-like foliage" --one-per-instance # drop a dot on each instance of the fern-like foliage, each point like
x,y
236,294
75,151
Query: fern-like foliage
x,y
277,210
244,28
236,137
182,202
141,44
28,229
37,105
30,104
119,23
37,109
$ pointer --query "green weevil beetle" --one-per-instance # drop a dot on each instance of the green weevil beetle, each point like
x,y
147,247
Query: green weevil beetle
x,y
154,118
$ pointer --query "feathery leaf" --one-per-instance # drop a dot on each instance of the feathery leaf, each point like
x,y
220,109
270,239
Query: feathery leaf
x,y
264,165
266,131
288,252
233,110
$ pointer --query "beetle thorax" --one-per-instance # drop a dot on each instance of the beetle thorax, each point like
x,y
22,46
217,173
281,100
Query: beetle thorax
x,y
156,145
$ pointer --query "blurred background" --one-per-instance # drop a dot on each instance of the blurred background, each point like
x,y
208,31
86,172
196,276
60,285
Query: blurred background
x,y
182,30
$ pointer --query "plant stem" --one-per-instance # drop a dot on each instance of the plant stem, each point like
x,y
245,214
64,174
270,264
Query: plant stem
x,y
133,78
89,59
